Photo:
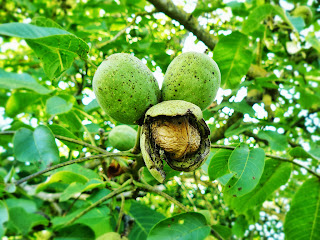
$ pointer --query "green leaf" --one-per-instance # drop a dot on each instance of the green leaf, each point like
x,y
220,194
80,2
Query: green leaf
x,y
223,231
242,107
237,128
75,232
98,219
10,80
72,120
240,226
186,226
93,105
297,22
254,21
46,145
145,218
277,141
59,130
19,101
247,167
63,177
4,217
23,221
77,187
299,152
303,219
315,153
255,18
307,98
275,174
313,40
28,31
28,205
45,22
55,47
219,164
78,169
24,147
233,58
58,105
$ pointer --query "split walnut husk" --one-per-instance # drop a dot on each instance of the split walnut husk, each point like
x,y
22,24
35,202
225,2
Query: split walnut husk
x,y
175,132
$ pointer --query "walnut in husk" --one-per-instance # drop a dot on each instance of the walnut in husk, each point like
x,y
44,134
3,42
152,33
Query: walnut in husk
x,y
174,131
176,136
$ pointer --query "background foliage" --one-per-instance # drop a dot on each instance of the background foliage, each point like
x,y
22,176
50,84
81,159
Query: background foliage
x,y
262,177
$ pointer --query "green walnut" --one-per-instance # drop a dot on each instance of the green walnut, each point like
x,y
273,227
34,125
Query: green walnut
x,y
304,12
125,88
192,77
175,132
122,137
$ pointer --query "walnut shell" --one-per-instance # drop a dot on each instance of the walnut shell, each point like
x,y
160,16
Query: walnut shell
x,y
174,131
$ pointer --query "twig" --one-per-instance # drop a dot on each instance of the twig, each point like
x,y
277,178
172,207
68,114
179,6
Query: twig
x,y
136,148
98,149
219,132
79,160
122,31
166,196
209,206
187,193
72,204
120,213
91,63
189,22
85,129
283,159
119,190
185,19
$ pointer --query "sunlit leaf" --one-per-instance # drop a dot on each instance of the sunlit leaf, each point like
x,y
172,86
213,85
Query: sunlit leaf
x,y
247,167
313,40
275,174
187,226
63,177
10,80
24,147
98,219
4,217
240,226
219,164
303,219
55,47
23,222
77,231
77,187
223,231
19,102
233,58
61,131
277,141
46,145
145,219
58,105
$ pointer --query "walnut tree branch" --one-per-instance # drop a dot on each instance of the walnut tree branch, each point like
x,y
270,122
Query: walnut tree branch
x,y
185,19
79,160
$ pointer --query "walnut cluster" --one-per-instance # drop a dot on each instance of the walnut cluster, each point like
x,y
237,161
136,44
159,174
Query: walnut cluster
x,y
176,136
